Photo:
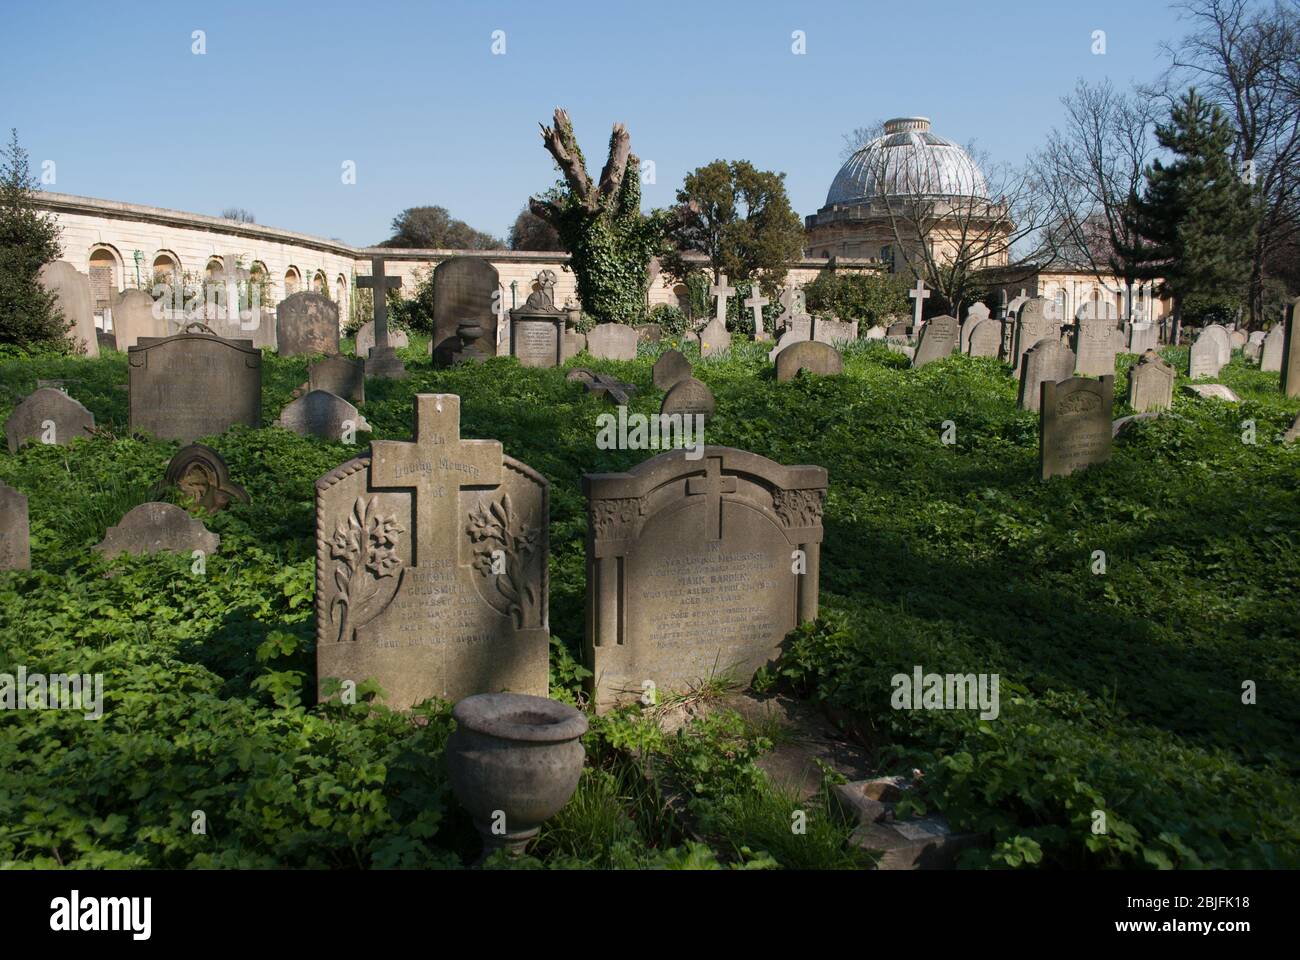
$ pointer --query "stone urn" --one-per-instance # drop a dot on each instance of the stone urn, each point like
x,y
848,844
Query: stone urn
x,y
514,761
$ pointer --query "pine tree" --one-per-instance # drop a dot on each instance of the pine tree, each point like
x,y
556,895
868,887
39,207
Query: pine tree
x,y
28,240
1195,222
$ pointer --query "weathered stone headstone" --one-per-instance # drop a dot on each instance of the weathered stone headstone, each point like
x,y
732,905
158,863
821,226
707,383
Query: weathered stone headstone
x,y
833,332
1151,383
1048,359
365,339
938,340
897,329
612,341
811,355
976,313
648,332
671,367
465,289
320,413
1270,357
714,338
202,475
1142,337
688,397
1238,339
538,329
1213,391
1074,425
134,317
307,322
431,566
1094,346
71,288
985,339
1206,356
157,527
1292,432
193,385
1031,325
1290,382
340,376
15,536
50,416
691,569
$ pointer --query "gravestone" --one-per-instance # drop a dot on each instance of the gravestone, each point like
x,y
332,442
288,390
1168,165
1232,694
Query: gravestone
x,y
688,397
340,376
1151,383
158,527
602,385
791,335
714,338
1142,337
1292,432
918,295
431,566
381,358
15,537
1238,339
897,329
1095,346
202,475
810,355
833,332
307,322
755,305
1206,356
612,341
671,368
1270,357
691,569
47,416
1290,381
538,330
465,290
1031,325
365,339
976,313
193,384
939,339
1074,425
71,290
721,293
133,318
985,339
1213,391
1124,424
320,413
1047,360
794,312
648,332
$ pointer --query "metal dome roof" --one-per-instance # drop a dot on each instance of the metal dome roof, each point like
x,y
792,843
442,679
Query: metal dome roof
x,y
906,160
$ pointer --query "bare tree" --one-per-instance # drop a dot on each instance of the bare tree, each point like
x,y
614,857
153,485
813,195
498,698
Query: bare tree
x,y
238,214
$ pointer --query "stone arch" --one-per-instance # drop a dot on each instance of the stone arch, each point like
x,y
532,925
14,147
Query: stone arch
x,y
166,268
105,269
214,269
319,283
683,297
340,290
292,281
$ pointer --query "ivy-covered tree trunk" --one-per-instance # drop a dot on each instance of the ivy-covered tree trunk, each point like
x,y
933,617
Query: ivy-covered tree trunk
x,y
601,224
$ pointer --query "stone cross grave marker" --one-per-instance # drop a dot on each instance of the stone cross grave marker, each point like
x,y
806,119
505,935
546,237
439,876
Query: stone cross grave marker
x,y
918,295
431,566
721,293
385,363
756,303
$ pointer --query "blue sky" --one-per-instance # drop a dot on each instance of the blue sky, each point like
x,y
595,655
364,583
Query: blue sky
x,y
412,93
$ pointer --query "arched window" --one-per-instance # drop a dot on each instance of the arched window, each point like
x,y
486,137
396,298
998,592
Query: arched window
x,y
292,280
340,290
320,284
105,277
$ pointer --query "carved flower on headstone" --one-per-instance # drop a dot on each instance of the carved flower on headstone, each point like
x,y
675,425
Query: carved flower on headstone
x,y
365,546
499,531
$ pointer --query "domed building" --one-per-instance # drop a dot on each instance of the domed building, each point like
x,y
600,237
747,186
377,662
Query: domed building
x,y
907,176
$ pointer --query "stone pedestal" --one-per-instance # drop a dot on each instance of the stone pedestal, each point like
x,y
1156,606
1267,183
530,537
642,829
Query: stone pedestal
x,y
384,362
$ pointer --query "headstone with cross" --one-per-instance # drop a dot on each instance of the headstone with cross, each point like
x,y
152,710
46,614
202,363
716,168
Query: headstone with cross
x,y
721,293
383,360
699,561
431,566
756,303
918,296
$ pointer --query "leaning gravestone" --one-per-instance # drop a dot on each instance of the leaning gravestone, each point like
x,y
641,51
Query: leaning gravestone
x,y
134,317
1206,356
939,339
811,355
671,367
1074,425
1290,381
71,290
320,413
431,566
1031,325
193,385
157,527
202,475
466,290
714,338
1049,360
365,340
688,397
15,543
1095,346
48,416
985,339
340,376
697,568
612,341
1213,391
1270,357
602,385
307,322
1151,383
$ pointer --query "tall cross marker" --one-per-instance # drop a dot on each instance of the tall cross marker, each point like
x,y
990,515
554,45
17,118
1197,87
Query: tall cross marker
x,y
434,467
757,302
723,294
381,285
919,295
712,486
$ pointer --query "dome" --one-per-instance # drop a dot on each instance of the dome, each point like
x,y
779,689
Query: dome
x,y
906,160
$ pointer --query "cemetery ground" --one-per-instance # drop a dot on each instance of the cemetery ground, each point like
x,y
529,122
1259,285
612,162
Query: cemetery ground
x,y
1121,691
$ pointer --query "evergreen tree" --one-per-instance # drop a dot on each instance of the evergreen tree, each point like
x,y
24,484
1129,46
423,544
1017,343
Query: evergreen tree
x,y
1194,224
28,240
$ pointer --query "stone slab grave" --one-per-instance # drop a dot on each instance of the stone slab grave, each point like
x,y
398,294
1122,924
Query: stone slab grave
x,y
1031,325
306,323
939,338
1290,380
1048,359
1118,427
319,413
671,367
648,332
15,536
811,355
976,314
71,289
1270,356
602,385
194,384
1151,383
691,569
157,528
1142,337
340,376
202,475
1074,425
539,333
1095,346
1206,357
47,416
985,339
1213,391
612,341
431,566
833,332
714,338
466,294
688,397
365,339
380,354
133,318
